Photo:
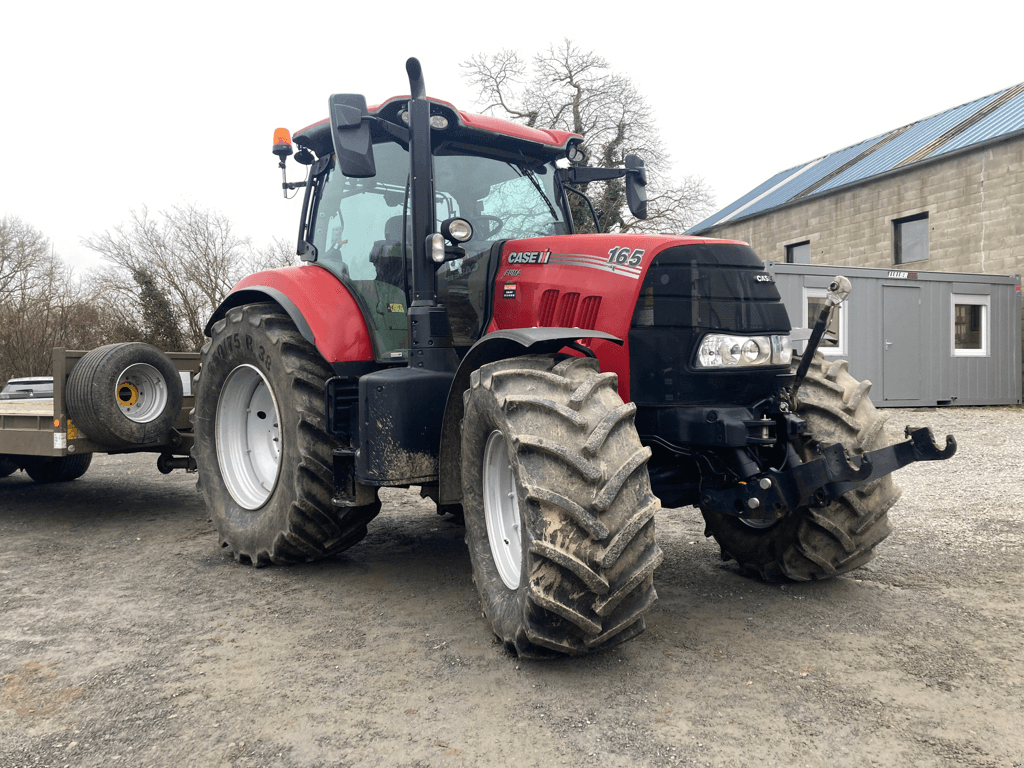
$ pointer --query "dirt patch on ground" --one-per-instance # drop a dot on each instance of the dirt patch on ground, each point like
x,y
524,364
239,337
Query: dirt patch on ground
x,y
128,638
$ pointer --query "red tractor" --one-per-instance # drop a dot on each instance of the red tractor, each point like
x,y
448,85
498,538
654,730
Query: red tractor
x,y
449,330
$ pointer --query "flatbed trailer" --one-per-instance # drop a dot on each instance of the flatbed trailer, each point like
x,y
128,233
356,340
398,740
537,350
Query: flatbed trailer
x,y
108,407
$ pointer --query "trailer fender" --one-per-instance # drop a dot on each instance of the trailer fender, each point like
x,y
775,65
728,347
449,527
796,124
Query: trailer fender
x,y
495,346
319,304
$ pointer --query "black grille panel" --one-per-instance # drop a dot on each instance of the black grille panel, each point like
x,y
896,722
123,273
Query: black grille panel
x,y
690,291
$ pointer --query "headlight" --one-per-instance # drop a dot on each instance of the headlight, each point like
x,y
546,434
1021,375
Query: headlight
x,y
721,351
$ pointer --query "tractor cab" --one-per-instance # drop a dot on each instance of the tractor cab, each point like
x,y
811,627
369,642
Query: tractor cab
x,y
504,183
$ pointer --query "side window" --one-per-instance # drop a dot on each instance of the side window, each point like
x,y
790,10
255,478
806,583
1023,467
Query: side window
x,y
358,237
349,250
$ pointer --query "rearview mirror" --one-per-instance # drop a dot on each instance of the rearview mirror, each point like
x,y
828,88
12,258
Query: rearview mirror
x,y
350,134
636,186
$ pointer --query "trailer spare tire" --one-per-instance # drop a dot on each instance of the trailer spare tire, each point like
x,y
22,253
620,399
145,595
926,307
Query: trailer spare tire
x,y
125,395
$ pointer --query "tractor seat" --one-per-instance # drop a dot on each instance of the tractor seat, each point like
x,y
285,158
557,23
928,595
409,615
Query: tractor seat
x,y
386,254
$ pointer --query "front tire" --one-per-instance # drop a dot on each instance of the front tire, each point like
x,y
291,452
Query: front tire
x,y
818,543
558,506
266,467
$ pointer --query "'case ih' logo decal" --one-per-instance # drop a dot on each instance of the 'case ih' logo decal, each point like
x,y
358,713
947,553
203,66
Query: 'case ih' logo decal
x,y
529,257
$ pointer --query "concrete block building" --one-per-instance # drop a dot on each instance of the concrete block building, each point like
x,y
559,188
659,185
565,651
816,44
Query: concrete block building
x,y
942,195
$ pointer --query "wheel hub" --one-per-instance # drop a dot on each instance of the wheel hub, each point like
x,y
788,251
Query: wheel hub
x,y
141,393
501,510
248,437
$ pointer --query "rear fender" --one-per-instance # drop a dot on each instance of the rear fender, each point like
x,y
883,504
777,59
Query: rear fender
x,y
499,345
322,308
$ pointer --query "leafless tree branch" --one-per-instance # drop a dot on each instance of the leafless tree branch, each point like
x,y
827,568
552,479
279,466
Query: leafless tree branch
x,y
571,89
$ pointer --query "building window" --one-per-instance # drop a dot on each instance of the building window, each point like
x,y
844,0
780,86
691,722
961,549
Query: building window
x,y
799,253
834,340
970,325
910,239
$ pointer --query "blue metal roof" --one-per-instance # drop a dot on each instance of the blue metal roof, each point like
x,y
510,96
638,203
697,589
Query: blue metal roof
x,y
980,121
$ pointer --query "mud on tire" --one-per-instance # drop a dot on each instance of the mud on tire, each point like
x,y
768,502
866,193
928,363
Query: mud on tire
x,y
266,468
817,543
565,454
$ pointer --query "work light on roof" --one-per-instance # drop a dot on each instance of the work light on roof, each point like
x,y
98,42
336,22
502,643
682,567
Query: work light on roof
x,y
438,122
574,152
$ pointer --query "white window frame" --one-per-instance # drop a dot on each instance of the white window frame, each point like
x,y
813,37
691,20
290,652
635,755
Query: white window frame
x,y
985,302
822,293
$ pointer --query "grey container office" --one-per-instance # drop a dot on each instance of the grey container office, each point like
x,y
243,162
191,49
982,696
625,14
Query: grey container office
x,y
921,338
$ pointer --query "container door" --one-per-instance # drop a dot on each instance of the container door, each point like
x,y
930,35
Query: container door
x,y
901,348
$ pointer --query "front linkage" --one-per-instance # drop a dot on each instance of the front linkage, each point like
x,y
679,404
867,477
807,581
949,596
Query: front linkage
x,y
763,496
767,496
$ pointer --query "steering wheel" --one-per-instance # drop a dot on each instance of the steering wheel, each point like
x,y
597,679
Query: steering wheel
x,y
494,224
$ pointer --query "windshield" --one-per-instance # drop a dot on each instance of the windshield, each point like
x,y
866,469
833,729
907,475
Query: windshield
x,y
359,226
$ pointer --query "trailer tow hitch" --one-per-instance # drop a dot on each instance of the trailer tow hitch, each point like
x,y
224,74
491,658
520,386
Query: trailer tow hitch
x,y
767,496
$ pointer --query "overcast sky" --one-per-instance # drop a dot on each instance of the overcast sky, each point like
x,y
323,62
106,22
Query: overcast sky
x,y
112,106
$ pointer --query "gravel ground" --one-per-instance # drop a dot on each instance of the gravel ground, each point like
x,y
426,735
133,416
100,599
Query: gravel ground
x,y
128,638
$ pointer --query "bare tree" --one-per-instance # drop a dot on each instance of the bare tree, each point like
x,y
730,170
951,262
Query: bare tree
x,y
42,305
279,253
570,89
169,272
21,246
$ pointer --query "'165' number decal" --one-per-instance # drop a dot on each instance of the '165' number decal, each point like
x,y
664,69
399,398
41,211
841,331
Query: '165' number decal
x,y
626,256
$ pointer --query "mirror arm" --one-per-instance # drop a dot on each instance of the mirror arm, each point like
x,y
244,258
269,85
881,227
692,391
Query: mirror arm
x,y
581,175
397,132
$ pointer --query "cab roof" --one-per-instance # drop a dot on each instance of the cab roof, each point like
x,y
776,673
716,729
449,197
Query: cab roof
x,y
463,127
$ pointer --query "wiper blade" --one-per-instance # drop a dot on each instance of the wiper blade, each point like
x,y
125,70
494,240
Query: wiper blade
x,y
526,171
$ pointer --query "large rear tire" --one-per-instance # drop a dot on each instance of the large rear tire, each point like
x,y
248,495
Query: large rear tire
x,y
125,395
558,506
817,543
266,467
59,469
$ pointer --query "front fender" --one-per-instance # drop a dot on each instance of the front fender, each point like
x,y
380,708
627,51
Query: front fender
x,y
498,345
319,304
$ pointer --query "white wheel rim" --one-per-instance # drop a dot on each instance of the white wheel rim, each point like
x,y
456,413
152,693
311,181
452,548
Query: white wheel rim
x,y
248,437
501,511
141,393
